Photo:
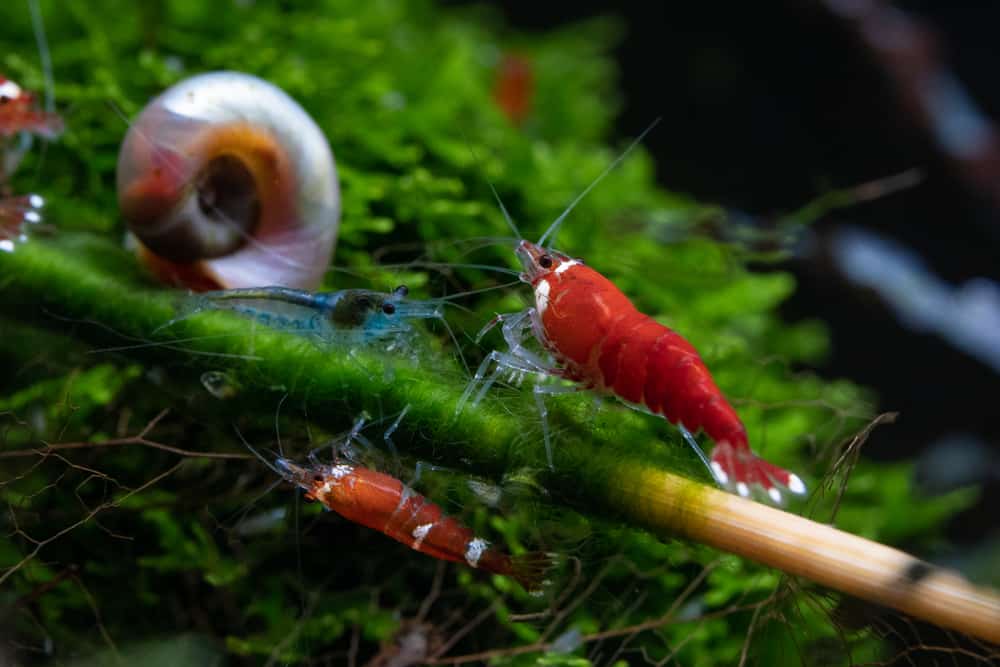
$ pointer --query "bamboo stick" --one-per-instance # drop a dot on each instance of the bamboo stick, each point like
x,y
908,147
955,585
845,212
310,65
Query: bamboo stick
x,y
668,504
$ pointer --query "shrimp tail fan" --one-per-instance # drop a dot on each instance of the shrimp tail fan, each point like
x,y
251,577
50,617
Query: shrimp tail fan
x,y
530,570
740,470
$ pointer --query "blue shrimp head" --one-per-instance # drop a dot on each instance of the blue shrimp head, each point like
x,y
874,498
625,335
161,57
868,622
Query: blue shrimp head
x,y
379,313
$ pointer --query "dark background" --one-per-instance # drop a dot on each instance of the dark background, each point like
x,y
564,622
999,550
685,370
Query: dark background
x,y
767,105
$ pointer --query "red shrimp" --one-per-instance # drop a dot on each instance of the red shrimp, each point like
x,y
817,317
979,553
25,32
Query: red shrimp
x,y
19,119
514,90
19,113
600,341
384,503
15,214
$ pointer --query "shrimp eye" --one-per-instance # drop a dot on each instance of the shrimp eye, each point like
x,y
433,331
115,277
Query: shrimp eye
x,y
545,261
4,99
317,478
388,308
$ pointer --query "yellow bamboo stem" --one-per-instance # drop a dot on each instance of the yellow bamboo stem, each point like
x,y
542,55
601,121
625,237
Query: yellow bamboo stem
x,y
673,505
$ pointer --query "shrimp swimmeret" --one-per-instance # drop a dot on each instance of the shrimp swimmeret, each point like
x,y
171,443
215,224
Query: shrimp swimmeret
x,y
351,316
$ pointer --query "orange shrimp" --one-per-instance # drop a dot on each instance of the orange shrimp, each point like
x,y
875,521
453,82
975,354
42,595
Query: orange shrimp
x,y
384,503
600,341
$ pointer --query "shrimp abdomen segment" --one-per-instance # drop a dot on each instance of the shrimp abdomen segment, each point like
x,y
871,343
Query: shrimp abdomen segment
x,y
627,351
280,308
384,503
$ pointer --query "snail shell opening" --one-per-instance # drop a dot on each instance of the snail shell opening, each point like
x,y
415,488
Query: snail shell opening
x,y
226,182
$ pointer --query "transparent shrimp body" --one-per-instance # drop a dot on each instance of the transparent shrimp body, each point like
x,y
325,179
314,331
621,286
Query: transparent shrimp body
x,y
352,316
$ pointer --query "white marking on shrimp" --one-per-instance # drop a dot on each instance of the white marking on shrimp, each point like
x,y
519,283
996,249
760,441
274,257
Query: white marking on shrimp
x,y
566,266
473,552
775,495
10,90
542,295
720,474
742,489
340,471
419,533
796,485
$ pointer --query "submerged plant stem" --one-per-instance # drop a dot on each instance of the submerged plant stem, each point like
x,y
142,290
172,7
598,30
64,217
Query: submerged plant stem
x,y
84,279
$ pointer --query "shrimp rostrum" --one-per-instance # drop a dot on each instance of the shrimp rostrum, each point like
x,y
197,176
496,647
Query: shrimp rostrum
x,y
385,503
599,340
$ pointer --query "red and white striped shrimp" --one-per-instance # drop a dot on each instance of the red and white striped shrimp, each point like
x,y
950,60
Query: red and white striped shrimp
x,y
385,503
15,214
19,113
20,119
600,341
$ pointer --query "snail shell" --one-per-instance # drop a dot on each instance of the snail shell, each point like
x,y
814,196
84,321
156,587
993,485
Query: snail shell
x,y
225,182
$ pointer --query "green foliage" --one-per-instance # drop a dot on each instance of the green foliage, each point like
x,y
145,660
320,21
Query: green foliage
x,y
148,556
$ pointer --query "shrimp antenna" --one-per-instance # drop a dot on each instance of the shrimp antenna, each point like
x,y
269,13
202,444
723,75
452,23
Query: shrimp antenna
x,y
458,295
554,227
277,423
442,266
496,195
503,209
38,27
260,456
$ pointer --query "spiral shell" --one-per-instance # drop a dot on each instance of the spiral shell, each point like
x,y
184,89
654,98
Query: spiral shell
x,y
225,182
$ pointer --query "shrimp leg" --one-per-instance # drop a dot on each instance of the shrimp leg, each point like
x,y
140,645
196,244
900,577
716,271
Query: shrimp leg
x,y
539,392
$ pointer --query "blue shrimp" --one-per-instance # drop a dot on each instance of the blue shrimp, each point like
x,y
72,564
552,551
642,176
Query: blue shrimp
x,y
351,316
